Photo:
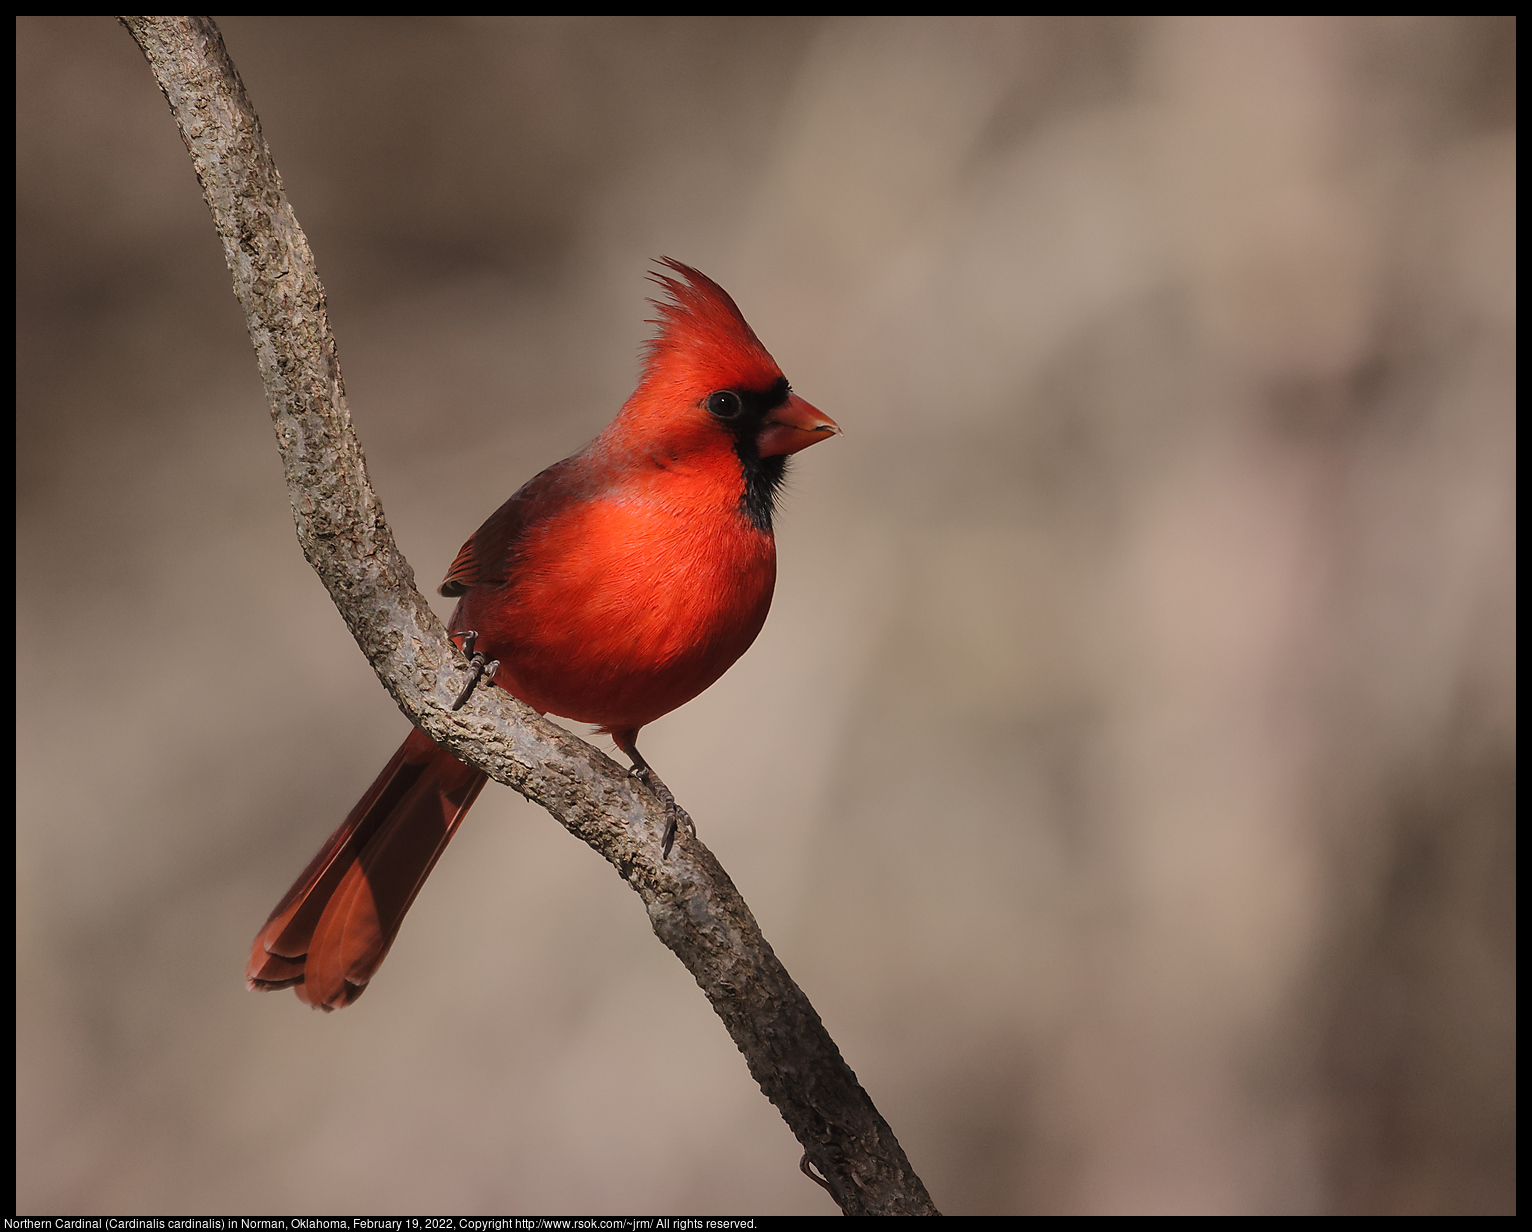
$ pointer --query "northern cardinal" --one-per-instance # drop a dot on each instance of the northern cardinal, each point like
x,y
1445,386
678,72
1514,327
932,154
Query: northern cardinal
x,y
613,587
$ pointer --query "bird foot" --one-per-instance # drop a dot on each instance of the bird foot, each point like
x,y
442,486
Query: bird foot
x,y
674,813
479,665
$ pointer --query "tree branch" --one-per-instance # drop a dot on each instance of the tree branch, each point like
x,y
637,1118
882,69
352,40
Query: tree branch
x,y
692,905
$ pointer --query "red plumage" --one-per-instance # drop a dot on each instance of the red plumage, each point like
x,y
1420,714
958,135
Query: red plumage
x,y
613,587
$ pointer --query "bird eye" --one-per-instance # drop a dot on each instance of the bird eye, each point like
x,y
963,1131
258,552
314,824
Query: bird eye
x,y
725,404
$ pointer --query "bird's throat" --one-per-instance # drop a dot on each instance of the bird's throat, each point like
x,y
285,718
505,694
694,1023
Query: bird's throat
x,y
763,480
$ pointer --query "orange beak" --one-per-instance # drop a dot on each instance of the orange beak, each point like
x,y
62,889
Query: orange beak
x,y
792,427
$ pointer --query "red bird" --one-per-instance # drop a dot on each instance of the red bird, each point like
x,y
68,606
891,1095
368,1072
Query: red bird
x,y
612,588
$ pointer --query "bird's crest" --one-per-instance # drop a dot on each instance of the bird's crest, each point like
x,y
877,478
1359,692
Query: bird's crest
x,y
703,336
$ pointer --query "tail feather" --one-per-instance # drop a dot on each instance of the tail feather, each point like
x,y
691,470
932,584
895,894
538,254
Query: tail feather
x,y
332,930
291,924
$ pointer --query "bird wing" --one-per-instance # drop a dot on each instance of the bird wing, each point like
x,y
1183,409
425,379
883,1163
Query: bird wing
x,y
489,555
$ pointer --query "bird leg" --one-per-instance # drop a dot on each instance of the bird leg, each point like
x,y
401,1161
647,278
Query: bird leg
x,y
478,665
644,772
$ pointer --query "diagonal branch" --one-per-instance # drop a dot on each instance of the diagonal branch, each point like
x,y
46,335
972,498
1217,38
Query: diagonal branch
x,y
692,905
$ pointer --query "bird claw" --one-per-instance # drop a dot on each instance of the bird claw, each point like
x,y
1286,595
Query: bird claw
x,y
627,741
479,666
673,816
674,813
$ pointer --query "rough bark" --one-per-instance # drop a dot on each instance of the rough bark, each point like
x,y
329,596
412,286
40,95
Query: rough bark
x,y
692,904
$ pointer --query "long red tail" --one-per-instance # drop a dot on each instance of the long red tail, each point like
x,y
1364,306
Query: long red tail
x,y
332,930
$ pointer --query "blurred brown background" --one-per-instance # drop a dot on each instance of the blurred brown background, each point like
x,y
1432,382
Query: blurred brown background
x,y
1126,770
